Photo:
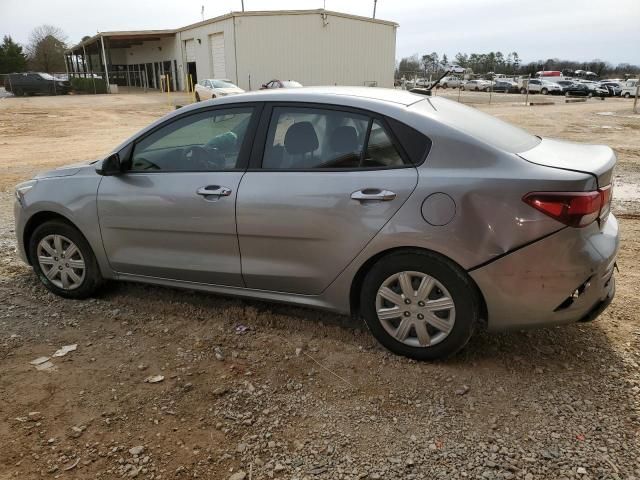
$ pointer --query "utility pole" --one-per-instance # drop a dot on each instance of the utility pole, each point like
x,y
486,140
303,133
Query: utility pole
x,y
375,2
242,1
202,13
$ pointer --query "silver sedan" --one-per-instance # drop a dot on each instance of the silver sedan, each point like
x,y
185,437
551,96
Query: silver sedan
x,y
427,218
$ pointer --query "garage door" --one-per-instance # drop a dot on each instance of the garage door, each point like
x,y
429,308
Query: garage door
x,y
190,49
216,43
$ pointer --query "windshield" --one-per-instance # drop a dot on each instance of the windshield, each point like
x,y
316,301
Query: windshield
x,y
46,76
222,84
290,84
482,126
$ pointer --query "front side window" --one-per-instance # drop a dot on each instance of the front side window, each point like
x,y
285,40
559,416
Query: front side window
x,y
309,138
207,141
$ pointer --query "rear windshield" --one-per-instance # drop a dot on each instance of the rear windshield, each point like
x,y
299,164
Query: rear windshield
x,y
482,126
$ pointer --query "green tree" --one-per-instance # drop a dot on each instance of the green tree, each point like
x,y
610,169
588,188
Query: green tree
x,y
46,49
11,57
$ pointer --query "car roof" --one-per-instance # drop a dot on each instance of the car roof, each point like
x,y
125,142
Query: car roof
x,y
335,95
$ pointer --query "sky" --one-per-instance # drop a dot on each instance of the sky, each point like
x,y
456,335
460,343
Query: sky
x,y
580,30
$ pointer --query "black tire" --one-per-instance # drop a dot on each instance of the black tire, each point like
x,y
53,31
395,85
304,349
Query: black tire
x,y
92,278
523,91
544,91
627,95
18,92
197,97
463,291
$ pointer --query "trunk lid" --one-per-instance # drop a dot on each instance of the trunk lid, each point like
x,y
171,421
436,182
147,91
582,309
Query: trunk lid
x,y
597,160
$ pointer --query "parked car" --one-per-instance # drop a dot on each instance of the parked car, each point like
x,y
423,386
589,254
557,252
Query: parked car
x,y
477,85
451,82
629,88
544,87
35,82
214,88
333,197
505,86
585,89
614,88
565,83
281,84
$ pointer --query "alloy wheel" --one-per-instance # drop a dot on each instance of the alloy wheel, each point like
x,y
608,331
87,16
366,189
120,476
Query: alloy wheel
x,y
415,309
61,262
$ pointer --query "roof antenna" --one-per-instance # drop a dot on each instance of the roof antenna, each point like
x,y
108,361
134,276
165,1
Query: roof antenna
x,y
202,12
375,2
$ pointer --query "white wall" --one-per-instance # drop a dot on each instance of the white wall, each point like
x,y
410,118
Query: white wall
x,y
204,63
304,47
345,51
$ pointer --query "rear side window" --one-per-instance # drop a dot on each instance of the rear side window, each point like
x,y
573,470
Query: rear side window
x,y
480,125
310,138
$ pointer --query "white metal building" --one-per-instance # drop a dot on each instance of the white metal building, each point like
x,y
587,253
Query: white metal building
x,y
314,47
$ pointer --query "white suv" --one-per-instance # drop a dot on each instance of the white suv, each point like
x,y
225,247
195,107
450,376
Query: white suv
x,y
452,82
629,88
541,86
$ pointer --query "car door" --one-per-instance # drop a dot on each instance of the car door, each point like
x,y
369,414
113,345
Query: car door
x,y
171,214
323,182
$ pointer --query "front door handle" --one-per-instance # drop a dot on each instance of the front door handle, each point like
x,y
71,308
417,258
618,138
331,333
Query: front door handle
x,y
373,194
214,190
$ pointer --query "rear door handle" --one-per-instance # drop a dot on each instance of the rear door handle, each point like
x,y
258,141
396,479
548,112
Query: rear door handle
x,y
214,190
373,194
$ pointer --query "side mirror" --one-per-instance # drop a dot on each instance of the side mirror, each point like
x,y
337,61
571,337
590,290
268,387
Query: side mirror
x,y
264,85
110,166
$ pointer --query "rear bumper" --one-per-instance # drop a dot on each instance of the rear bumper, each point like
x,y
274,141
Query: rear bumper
x,y
564,278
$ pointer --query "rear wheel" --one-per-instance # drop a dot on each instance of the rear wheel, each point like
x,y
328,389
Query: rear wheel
x,y
627,95
18,92
523,91
63,260
419,305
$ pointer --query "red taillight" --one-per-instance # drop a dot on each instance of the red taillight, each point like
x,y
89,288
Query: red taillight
x,y
576,209
607,195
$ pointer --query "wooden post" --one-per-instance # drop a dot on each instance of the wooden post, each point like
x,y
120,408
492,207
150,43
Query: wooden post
x,y
526,101
635,100
193,91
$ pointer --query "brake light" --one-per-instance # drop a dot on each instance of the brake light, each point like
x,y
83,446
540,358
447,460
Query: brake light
x,y
575,209
607,196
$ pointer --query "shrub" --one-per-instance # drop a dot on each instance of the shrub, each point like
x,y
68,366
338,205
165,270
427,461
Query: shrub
x,y
86,85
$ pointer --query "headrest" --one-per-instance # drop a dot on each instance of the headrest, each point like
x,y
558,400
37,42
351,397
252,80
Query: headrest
x,y
300,138
344,139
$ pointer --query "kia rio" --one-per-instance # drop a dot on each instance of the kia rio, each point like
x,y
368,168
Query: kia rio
x,y
427,218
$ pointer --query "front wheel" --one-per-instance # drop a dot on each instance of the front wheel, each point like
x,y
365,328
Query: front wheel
x,y
420,305
627,95
544,91
63,260
523,91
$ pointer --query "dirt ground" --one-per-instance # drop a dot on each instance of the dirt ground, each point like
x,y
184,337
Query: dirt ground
x,y
300,393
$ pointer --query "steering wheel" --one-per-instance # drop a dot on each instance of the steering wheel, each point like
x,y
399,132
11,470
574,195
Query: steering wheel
x,y
141,163
202,158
